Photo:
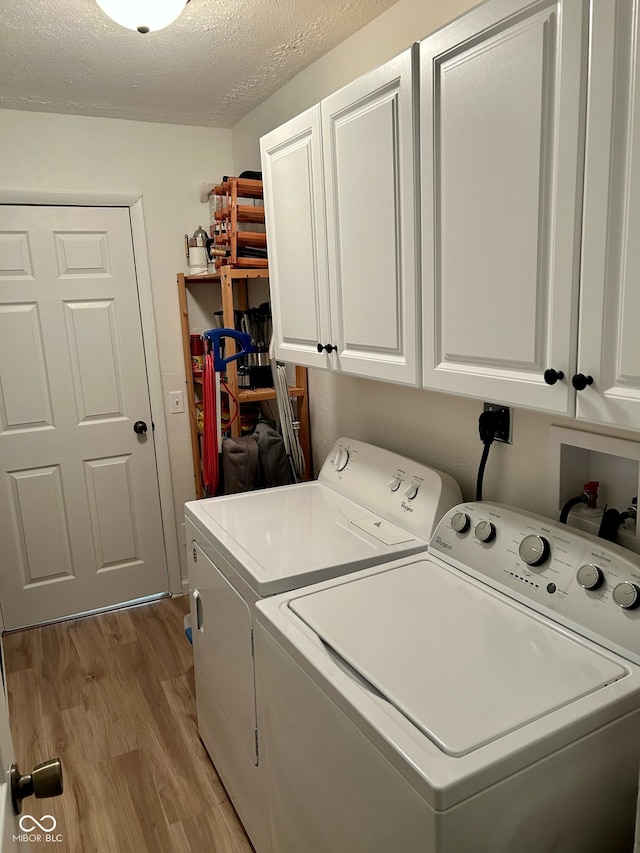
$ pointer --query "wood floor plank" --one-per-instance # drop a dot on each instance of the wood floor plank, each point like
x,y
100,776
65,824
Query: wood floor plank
x,y
59,667
118,627
142,816
21,648
113,695
181,701
27,726
165,739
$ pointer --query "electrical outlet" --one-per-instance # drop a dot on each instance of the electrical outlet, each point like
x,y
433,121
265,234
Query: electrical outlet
x,y
176,402
504,433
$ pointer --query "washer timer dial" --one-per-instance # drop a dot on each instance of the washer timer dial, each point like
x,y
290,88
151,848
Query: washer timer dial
x,y
534,549
590,576
460,522
626,595
485,531
341,460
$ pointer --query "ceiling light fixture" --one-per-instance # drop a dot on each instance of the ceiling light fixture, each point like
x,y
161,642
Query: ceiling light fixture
x,y
145,16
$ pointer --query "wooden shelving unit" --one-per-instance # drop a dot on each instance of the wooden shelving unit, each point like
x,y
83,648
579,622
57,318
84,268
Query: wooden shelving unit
x,y
233,286
229,217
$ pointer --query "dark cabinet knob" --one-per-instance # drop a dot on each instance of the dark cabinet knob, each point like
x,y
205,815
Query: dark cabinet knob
x,y
580,381
45,780
320,347
328,347
551,376
140,427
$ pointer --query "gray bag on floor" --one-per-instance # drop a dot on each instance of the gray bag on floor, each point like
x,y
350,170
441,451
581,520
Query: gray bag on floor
x,y
275,469
240,467
255,462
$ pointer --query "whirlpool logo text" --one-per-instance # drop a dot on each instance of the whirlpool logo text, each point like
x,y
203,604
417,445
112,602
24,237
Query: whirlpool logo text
x,y
38,829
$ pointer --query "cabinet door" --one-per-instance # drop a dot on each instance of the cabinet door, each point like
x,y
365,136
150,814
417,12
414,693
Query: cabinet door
x,y
295,220
502,130
368,146
609,345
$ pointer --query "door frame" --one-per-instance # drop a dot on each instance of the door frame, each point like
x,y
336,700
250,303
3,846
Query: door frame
x,y
134,202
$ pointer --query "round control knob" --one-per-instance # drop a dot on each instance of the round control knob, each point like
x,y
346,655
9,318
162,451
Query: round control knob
x,y
411,492
342,457
590,576
626,595
395,484
485,531
534,550
460,522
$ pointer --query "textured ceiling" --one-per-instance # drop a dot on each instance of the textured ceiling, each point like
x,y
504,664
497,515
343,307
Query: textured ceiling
x,y
211,67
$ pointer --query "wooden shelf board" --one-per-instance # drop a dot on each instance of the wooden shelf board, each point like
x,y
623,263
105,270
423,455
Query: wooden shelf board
x,y
251,263
244,238
244,213
257,395
232,273
246,188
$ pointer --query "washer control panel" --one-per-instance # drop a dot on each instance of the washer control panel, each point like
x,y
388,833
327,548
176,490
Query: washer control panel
x,y
586,583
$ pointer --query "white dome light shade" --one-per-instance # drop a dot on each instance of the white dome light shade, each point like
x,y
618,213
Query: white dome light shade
x,y
142,15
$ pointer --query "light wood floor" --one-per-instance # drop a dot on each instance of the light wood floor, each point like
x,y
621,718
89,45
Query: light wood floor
x,y
113,695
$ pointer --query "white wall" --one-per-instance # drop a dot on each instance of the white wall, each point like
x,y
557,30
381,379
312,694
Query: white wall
x,y
435,428
164,163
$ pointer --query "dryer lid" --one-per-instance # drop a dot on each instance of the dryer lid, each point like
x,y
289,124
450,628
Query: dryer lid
x,y
291,536
464,664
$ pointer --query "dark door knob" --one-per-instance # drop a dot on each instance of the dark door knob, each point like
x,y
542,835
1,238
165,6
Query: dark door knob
x,y
551,376
140,427
328,347
45,780
580,381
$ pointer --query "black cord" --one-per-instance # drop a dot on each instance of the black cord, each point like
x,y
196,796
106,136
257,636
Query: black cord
x,y
488,425
483,465
566,509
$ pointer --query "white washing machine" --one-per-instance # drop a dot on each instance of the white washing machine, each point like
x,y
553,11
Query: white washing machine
x,y
368,506
481,698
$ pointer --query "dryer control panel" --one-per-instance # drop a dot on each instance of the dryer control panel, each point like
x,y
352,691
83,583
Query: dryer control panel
x,y
401,490
588,584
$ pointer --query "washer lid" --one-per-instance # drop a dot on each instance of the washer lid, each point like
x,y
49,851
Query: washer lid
x,y
463,663
291,536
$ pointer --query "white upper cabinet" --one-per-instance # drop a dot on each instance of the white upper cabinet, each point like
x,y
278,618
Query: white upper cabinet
x,y
609,342
295,220
368,144
502,93
358,314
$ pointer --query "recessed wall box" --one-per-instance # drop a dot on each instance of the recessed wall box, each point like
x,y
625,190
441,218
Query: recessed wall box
x,y
576,457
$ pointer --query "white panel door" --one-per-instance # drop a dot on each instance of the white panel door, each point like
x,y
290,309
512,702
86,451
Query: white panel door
x,y
501,94
295,220
80,520
368,148
609,344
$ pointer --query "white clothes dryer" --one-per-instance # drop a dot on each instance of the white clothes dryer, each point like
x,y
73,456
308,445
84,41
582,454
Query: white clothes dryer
x,y
368,506
481,698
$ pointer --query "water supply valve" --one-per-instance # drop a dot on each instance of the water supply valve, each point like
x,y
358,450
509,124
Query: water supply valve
x,y
590,490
